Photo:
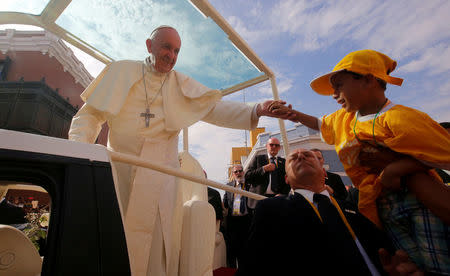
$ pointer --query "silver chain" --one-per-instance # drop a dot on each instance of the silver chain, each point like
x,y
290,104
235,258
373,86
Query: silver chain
x,y
145,88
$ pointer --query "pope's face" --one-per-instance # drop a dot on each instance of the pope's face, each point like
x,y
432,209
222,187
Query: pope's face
x,y
164,47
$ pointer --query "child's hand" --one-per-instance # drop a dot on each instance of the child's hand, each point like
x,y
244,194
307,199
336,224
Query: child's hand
x,y
398,265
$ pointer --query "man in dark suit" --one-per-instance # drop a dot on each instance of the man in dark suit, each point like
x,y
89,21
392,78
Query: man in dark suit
x,y
238,218
332,180
10,214
266,173
314,234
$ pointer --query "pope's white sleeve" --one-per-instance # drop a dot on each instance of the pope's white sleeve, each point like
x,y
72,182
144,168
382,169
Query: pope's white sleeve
x,y
86,124
233,115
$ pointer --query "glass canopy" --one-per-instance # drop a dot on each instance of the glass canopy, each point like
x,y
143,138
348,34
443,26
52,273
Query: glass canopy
x,y
118,29
25,6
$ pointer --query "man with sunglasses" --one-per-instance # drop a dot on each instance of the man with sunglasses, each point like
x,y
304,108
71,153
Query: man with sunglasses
x,y
237,219
266,173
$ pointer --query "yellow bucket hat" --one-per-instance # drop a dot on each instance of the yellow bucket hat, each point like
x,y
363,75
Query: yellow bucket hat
x,y
362,62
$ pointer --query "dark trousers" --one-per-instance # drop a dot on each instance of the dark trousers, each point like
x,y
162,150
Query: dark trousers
x,y
237,232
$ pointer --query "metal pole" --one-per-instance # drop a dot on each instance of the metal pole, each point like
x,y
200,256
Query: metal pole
x,y
273,83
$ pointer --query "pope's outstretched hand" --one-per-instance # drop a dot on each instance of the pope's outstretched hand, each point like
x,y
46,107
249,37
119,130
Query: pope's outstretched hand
x,y
276,109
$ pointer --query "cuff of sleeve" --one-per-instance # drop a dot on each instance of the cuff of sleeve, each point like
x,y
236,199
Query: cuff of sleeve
x,y
254,117
319,125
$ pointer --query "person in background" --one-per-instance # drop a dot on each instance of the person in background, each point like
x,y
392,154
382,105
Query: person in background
x,y
11,214
333,181
265,173
237,219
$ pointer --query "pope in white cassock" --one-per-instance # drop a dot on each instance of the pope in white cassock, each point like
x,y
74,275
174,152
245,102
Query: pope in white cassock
x,y
146,104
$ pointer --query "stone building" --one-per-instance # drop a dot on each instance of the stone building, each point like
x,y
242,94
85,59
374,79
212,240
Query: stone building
x,y
40,83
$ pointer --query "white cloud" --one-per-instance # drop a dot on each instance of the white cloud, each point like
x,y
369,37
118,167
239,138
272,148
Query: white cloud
x,y
212,145
433,60
437,108
399,28
283,86
252,35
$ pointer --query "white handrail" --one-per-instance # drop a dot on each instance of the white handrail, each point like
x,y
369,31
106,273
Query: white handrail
x,y
134,160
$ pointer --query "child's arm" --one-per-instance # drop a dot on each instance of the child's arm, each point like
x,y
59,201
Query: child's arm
x,y
430,191
294,115
391,175
434,194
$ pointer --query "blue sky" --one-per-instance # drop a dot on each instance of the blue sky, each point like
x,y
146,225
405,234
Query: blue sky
x,y
300,40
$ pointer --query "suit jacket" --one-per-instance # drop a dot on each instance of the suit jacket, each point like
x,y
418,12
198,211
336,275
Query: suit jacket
x,y
259,180
10,214
335,182
303,245
228,200
216,202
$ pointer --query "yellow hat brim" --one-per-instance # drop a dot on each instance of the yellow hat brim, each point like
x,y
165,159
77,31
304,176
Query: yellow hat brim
x,y
321,85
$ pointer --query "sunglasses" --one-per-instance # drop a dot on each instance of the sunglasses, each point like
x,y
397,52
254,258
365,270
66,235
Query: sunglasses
x,y
274,145
237,171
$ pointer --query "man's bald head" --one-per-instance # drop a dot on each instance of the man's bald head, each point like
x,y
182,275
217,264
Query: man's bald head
x,y
304,171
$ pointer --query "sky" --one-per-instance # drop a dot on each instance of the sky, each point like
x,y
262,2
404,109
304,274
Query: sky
x,y
301,40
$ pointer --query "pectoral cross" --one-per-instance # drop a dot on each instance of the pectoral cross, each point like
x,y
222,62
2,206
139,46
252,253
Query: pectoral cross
x,y
147,116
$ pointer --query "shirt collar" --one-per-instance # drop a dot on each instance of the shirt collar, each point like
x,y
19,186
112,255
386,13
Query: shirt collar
x,y
308,194
271,156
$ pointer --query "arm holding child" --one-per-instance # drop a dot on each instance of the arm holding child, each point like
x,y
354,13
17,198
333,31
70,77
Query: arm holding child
x,y
428,189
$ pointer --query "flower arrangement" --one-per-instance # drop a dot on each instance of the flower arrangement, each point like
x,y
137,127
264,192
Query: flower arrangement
x,y
37,227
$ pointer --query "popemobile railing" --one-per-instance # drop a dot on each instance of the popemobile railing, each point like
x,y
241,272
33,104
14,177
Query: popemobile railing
x,y
137,161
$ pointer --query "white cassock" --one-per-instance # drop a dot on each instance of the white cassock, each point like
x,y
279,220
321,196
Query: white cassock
x,y
151,201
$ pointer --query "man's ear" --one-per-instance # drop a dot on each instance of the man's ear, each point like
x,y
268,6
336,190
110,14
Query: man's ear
x,y
148,42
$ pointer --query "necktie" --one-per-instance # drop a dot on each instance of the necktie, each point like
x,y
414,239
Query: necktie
x,y
339,235
327,211
274,176
239,202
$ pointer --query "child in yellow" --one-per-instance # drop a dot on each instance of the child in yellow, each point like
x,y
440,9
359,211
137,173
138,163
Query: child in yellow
x,y
370,125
